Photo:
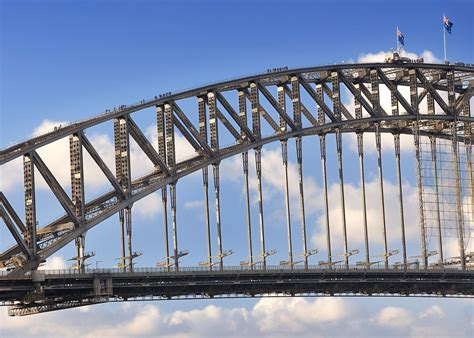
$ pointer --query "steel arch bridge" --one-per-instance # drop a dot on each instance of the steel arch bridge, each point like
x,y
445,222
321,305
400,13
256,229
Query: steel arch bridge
x,y
292,104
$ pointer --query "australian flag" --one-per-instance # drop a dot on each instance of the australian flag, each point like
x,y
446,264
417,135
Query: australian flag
x,y
401,37
447,24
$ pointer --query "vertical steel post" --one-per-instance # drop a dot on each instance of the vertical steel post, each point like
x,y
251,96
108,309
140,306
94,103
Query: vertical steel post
x,y
258,165
431,111
374,85
360,144
128,225
466,111
174,225
205,182
171,161
161,135
459,215
295,91
322,144
30,203
438,213
205,177
164,194
284,154
254,101
416,129
211,101
122,236
420,197
245,165
396,139
215,168
337,112
123,173
360,148
379,164
77,192
457,174
245,159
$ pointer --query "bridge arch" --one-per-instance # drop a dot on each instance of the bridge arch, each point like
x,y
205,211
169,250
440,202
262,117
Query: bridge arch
x,y
290,104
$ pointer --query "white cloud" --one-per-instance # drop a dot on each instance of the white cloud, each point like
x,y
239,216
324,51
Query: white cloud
x,y
196,204
267,317
434,311
145,322
427,55
54,263
183,148
148,207
56,157
211,320
273,184
354,215
407,143
11,175
392,316
293,315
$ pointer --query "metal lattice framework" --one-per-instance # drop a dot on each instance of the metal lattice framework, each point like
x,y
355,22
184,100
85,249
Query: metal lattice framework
x,y
449,120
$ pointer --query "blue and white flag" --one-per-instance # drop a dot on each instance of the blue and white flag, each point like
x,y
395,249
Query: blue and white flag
x,y
447,24
400,37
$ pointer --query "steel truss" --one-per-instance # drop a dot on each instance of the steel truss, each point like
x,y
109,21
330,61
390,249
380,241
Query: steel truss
x,y
320,87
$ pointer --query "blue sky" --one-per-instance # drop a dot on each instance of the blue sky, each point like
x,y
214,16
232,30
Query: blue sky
x,y
68,60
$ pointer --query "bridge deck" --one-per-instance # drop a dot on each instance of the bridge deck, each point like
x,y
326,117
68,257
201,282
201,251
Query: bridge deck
x,y
51,290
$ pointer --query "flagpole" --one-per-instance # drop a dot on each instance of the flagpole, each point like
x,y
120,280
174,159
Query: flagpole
x,y
444,40
398,46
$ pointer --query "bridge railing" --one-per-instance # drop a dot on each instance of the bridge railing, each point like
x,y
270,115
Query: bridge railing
x,y
232,269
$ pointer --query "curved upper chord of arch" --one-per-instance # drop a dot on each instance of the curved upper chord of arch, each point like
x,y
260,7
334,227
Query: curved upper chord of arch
x,y
446,89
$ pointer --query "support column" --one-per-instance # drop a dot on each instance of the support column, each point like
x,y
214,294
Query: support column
x,y
438,214
254,101
431,111
245,160
174,225
123,265
379,164
30,203
77,189
205,177
258,165
322,144
128,226
414,105
123,174
337,112
396,139
457,174
466,111
284,155
459,215
420,197
160,123
374,85
164,194
245,166
295,91
360,147
171,161
211,99
215,168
